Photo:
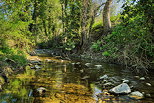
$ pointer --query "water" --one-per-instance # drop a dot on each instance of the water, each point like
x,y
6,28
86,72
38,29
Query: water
x,y
61,82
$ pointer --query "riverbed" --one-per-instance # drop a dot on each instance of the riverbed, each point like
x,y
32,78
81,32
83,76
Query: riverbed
x,y
54,80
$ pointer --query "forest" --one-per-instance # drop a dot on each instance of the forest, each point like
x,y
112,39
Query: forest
x,y
111,31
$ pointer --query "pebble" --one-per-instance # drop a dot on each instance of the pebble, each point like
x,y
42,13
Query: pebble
x,y
37,67
125,81
108,84
148,95
137,77
41,90
104,77
88,64
98,66
148,84
142,78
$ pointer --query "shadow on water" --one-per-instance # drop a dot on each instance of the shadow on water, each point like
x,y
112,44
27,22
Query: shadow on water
x,y
59,81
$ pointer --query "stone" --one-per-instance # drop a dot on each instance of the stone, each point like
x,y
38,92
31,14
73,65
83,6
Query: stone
x,y
81,70
41,90
148,95
78,63
37,67
105,81
104,77
49,61
98,66
88,64
125,81
137,77
72,63
142,78
121,89
108,84
85,77
148,84
137,95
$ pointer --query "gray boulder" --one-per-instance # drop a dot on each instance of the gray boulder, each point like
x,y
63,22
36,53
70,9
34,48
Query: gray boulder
x,y
121,89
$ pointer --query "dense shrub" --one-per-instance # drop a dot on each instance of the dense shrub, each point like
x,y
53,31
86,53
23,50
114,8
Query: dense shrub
x,y
131,42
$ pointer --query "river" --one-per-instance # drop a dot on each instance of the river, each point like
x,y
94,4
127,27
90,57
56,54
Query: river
x,y
61,81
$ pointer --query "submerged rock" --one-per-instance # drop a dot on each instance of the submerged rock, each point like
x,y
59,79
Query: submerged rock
x,y
136,95
121,89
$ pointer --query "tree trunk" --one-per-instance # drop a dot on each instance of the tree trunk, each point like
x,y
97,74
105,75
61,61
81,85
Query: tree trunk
x,y
106,17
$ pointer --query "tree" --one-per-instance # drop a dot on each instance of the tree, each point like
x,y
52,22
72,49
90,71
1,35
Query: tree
x,y
106,17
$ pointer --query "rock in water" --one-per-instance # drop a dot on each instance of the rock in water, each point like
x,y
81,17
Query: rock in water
x,y
37,67
41,90
121,89
148,84
142,78
98,66
125,81
104,77
88,64
137,95
137,77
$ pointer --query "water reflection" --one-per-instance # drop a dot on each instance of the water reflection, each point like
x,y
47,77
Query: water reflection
x,y
62,83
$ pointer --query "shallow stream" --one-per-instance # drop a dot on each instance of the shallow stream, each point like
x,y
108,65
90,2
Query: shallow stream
x,y
62,81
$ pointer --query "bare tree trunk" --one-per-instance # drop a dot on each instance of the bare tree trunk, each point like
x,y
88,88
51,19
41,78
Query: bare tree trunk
x,y
84,23
106,17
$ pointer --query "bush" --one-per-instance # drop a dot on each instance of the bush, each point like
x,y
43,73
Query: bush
x,y
14,54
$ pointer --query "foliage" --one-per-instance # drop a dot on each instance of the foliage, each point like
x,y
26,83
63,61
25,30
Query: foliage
x,y
96,45
131,42
14,54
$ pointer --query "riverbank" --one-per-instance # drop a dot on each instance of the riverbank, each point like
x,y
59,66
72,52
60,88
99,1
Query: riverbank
x,y
90,55
11,61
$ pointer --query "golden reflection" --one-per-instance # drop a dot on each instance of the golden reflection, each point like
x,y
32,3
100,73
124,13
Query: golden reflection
x,y
53,78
